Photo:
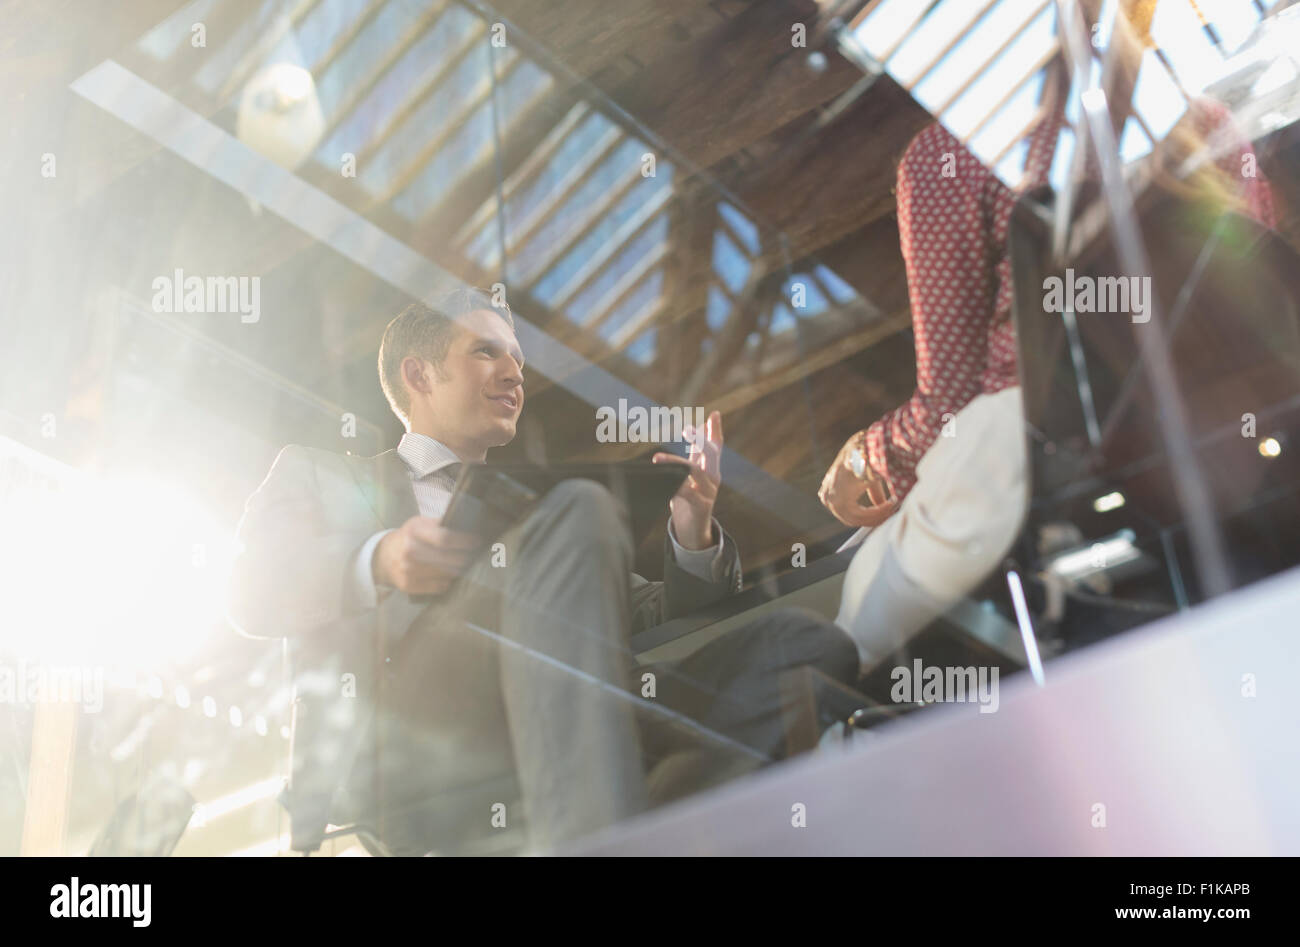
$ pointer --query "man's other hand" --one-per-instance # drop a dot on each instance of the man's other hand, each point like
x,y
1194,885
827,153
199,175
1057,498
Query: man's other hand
x,y
692,505
422,557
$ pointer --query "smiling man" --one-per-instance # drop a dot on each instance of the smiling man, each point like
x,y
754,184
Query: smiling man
x,y
506,684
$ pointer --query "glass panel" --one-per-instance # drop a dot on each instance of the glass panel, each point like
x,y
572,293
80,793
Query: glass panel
x,y
204,351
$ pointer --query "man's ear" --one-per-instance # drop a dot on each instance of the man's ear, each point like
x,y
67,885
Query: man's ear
x,y
415,375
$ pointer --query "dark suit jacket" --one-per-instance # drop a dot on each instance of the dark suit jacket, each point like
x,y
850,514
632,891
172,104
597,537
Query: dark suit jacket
x,y
303,527
293,578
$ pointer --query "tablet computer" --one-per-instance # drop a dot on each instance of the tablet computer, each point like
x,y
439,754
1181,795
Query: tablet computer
x,y
490,498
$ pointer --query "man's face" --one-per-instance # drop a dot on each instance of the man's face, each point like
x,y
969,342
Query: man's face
x,y
475,400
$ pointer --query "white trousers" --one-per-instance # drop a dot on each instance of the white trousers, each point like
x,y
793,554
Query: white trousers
x,y
949,533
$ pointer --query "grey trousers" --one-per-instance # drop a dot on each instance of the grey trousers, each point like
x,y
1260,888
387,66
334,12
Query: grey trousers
x,y
514,700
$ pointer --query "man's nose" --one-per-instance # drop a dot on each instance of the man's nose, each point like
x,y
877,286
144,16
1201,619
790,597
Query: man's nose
x,y
511,376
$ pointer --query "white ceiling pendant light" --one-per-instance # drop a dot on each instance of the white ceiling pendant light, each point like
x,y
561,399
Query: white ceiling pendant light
x,y
280,114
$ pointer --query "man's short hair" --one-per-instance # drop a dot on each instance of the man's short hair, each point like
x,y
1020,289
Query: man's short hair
x,y
427,332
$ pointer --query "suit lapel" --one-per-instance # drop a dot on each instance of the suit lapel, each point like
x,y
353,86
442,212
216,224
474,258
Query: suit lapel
x,y
389,490
386,483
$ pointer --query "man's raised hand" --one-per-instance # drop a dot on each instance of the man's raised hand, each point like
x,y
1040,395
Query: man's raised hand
x,y
692,506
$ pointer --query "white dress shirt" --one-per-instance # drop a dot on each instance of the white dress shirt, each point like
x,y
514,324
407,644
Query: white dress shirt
x,y
426,460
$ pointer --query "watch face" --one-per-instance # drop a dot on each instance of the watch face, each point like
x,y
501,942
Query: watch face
x,y
857,463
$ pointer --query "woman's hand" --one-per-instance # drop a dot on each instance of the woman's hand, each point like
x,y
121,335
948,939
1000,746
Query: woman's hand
x,y
841,492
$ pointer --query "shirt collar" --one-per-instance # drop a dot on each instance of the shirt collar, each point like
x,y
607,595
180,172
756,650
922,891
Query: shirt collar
x,y
423,455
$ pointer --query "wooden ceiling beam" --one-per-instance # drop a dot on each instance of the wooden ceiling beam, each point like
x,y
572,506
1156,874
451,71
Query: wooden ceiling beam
x,y
840,181
736,84
589,35
822,356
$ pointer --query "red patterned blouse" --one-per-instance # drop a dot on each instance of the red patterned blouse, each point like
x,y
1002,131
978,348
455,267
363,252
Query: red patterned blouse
x,y
953,215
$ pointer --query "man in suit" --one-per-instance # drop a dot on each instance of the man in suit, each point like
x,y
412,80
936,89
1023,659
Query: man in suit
x,y
500,677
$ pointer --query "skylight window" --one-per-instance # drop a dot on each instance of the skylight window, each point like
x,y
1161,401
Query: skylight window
x,y
329,20
840,291
976,64
642,351
979,66
889,24
422,129
365,53
1001,130
637,304
582,307
1178,32
1133,143
1156,98
626,221
804,295
729,263
718,310
592,196
741,225
1036,42
238,42
1234,20
973,51
1011,168
942,28
577,144
1060,171
163,40
783,320
411,75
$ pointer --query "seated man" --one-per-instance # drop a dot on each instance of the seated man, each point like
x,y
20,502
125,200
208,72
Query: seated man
x,y
512,678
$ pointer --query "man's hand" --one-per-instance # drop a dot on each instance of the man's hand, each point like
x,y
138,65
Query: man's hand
x,y
421,557
692,505
841,493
